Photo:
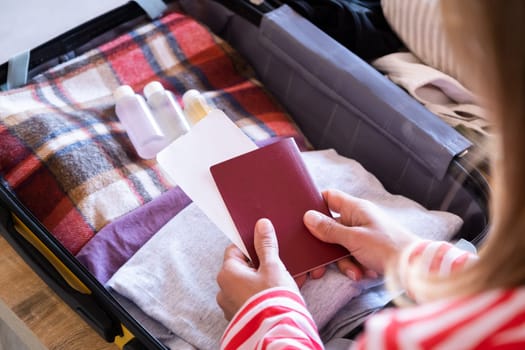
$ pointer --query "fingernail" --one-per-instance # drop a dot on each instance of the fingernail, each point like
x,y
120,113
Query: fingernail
x,y
312,218
351,274
265,225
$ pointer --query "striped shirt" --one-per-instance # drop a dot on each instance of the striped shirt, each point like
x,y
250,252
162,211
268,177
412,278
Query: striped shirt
x,y
273,319
419,24
278,319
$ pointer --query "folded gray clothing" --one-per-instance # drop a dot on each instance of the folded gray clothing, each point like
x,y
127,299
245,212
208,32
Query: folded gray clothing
x,y
355,312
152,326
172,277
339,344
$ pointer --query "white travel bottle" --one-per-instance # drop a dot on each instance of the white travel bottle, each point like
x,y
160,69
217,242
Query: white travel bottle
x,y
195,106
141,127
166,110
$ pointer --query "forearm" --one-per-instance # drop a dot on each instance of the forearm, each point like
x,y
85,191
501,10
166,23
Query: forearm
x,y
276,318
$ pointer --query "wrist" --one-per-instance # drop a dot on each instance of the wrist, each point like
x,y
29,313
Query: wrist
x,y
397,246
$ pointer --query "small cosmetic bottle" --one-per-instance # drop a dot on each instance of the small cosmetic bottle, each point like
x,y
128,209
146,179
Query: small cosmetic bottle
x,y
166,110
195,106
142,128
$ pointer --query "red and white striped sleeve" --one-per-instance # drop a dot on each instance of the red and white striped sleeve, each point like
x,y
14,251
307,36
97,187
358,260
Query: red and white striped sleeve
x,y
491,320
437,257
431,258
276,318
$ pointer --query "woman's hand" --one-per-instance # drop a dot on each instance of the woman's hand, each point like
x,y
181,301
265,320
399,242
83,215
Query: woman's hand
x,y
372,238
238,280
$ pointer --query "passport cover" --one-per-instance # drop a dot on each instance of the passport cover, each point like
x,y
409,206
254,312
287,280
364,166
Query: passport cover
x,y
273,182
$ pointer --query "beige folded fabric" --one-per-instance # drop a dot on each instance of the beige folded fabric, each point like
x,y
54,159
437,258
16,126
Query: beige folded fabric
x,y
440,93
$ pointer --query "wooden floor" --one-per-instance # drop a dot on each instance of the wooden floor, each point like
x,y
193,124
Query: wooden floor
x,y
37,311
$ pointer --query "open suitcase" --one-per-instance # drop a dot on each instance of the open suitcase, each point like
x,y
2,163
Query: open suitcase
x,y
336,99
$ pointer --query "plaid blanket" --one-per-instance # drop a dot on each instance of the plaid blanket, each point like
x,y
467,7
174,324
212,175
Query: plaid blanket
x,y
64,152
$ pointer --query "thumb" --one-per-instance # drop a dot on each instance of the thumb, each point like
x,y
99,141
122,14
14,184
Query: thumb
x,y
265,242
325,228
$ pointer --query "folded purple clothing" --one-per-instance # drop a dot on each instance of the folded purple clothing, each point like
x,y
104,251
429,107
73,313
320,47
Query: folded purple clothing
x,y
106,252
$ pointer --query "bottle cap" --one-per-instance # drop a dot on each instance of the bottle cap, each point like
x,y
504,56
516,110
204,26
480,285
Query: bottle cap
x,y
152,88
189,96
123,91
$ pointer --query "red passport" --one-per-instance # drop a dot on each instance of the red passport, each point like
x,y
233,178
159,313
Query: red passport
x,y
273,182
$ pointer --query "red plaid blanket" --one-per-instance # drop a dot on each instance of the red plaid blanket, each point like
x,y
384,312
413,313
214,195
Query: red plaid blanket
x,y
64,152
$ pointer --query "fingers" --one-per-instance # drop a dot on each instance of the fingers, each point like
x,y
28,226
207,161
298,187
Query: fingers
x,y
265,242
314,274
232,252
337,200
333,199
346,230
300,280
351,268
343,203
318,273
325,228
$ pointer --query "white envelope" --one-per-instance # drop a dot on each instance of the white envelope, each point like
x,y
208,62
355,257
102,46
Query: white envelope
x,y
187,161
